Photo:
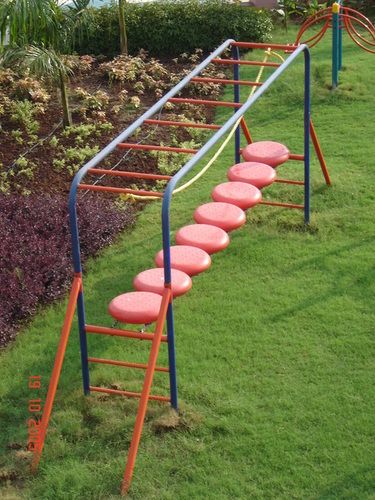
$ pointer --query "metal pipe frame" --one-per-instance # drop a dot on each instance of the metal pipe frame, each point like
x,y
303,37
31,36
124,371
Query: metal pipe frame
x,y
239,111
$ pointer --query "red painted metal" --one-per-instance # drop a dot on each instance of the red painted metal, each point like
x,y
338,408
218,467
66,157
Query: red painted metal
x,y
152,147
116,332
166,123
59,359
246,131
359,35
111,189
346,18
126,364
145,395
246,63
128,394
319,153
290,181
205,102
199,79
296,157
251,45
122,173
280,204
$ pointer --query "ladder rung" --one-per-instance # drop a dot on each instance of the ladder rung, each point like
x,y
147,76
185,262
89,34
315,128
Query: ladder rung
x,y
246,63
205,102
222,81
128,394
152,147
296,157
127,364
116,332
290,181
169,123
123,173
280,204
111,189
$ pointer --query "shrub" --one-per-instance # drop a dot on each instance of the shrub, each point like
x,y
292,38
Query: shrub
x,y
35,255
170,27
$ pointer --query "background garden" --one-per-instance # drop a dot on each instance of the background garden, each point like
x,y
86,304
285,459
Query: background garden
x,y
276,384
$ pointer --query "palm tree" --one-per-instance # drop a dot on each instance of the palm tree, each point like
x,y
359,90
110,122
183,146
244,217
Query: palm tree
x,y
39,34
122,22
42,63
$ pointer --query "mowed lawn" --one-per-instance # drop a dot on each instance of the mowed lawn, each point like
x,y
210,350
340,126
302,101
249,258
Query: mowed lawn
x,y
275,346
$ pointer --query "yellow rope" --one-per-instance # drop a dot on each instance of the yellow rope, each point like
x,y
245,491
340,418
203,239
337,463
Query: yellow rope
x,y
268,53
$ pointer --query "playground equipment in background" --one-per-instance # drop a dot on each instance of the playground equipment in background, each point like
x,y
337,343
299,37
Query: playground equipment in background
x,y
339,18
155,288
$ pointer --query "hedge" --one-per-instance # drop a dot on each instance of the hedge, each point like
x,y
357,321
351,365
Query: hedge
x,y
169,28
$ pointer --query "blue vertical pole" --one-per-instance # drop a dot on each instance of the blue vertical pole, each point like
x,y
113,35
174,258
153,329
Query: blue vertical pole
x,y
335,44
170,319
236,76
340,43
80,299
307,112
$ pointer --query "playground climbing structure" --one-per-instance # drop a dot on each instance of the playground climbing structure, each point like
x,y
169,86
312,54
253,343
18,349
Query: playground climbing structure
x,y
155,289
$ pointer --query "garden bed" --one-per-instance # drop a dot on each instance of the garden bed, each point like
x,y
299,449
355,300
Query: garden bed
x,y
38,159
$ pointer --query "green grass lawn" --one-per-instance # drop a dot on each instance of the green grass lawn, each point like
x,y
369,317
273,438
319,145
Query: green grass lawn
x,y
275,348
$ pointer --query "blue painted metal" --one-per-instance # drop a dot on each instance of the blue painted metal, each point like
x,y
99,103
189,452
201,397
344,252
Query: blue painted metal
x,y
306,125
175,180
236,90
335,49
172,358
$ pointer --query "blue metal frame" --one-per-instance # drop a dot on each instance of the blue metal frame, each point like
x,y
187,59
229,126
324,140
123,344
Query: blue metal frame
x,y
236,92
165,216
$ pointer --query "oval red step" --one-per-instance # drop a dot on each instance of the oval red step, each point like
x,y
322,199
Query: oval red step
x,y
135,307
255,173
209,238
152,280
223,215
190,260
268,152
238,193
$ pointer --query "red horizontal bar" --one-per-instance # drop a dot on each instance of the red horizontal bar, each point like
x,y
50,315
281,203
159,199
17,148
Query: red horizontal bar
x,y
116,332
251,45
111,189
151,147
141,366
128,394
290,181
245,63
206,102
223,81
166,123
123,173
279,204
296,157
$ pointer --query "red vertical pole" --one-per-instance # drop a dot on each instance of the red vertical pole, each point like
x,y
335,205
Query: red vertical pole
x,y
145,392
59,359
319,153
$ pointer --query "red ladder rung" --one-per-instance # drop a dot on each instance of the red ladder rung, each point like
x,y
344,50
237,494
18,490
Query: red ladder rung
x,y
124,173
151,147
116,332
126,364
169,123
111,189
290,181
252,45
296,157
280,204
205,102
128,394
246,63
222,81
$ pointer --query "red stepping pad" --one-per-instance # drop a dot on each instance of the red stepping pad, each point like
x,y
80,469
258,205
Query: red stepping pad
x,y
223,215
211,239
190,260
136,307
152,280
268,152
257,174
238,193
